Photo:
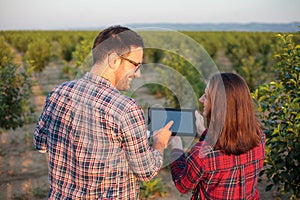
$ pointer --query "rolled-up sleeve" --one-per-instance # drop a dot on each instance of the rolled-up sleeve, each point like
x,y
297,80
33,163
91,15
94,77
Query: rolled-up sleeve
x,y
143,160
41,129
187,169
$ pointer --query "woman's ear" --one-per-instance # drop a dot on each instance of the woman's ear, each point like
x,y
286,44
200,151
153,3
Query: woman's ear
x,y
114,61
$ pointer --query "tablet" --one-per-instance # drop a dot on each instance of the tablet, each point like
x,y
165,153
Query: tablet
x,y
184,120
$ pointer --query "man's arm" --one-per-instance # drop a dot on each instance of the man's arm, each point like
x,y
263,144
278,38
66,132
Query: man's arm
x,y
41,130
144,160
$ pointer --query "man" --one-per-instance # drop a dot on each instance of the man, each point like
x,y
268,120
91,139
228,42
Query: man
x,y
95,136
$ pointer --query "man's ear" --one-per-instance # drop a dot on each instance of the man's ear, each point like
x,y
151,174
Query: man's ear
x,y
114,61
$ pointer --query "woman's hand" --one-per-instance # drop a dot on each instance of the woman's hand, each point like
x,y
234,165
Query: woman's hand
x,y
199,124
175,142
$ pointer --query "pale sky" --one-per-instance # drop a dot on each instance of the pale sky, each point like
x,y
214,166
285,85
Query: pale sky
x,y
70,14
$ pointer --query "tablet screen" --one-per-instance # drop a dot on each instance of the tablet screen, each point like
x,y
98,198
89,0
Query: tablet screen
x,y
184,120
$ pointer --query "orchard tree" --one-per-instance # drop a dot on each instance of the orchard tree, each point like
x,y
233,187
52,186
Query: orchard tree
x,y
15,90
39,53
279,107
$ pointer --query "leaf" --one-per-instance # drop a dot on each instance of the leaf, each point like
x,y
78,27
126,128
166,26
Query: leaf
x,y
269,187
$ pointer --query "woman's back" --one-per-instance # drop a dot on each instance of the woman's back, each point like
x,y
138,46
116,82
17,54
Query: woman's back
x,y
214,175
226,165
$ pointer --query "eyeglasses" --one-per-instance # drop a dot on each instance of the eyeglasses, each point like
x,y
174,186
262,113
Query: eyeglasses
x,y
137,65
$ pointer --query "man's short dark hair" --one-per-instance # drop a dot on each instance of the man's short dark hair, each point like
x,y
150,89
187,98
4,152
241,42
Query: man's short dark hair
x,y
115,39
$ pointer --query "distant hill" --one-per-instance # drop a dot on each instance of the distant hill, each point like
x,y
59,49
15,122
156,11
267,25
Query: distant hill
x,y
250,27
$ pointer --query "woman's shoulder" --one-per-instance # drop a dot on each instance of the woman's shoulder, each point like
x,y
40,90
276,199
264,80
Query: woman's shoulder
x,y
214,160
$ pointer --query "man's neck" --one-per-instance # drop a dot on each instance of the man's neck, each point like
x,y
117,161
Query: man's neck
x,y
104,72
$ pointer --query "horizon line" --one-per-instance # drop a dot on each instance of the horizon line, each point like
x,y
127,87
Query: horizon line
x,y
159,23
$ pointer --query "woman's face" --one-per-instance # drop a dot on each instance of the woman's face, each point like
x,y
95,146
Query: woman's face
x,y
204,100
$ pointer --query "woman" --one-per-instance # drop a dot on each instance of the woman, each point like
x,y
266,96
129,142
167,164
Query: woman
x,y
226,162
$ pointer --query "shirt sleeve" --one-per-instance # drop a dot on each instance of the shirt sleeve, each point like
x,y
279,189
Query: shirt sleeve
x,y
143,160
187,170
203,135
42,128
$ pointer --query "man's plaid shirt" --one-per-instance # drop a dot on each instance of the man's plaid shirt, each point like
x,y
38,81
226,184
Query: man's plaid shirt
x,y
96,142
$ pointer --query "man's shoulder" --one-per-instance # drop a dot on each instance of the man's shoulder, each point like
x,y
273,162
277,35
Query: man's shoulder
x,y
64,85
117,102
124,102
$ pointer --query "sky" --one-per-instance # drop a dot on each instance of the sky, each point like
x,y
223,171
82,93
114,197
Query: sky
x,y
74,14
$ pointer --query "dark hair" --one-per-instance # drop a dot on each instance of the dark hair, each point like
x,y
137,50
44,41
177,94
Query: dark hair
x,y
231,105
115,39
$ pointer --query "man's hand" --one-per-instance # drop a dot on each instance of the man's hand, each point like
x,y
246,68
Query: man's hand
x,y
43,151
161,137
199,124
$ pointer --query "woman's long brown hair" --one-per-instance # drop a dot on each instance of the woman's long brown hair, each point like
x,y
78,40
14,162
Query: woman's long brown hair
x,y
232,124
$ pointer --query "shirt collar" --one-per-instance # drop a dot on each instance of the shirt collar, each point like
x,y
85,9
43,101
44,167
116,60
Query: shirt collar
x,y
98,80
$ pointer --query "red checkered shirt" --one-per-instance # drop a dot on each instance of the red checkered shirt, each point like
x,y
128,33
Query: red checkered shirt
x,y
96,142
211,174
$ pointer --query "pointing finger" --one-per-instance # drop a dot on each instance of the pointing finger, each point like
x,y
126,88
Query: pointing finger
x,y
169,124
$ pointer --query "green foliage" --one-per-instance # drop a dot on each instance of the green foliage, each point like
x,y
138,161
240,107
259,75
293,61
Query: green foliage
x,y
279,107
68,41
152,55
252,69
83,49
19,39
250,56
15,90
39,53
5,53
187,71
152,189
211,41
82,58
39,192
67,48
